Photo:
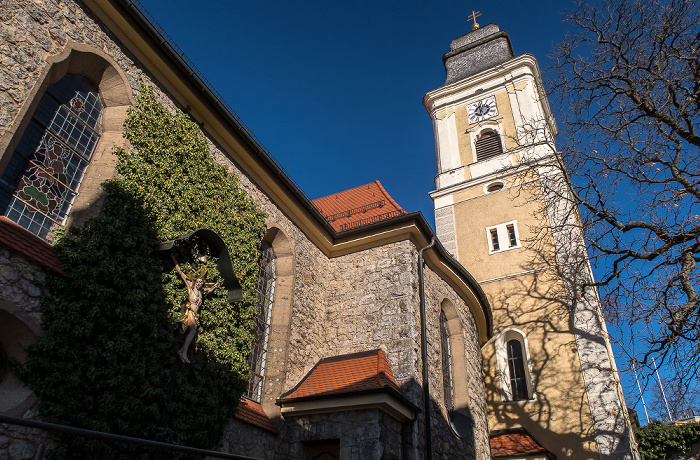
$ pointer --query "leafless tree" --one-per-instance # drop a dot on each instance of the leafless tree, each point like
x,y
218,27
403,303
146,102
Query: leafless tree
x,y
675,397
625,85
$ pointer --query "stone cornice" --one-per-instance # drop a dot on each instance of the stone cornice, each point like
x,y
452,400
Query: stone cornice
x,y
371,400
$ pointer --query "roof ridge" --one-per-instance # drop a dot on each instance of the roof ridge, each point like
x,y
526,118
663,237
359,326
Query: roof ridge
x,y
381,187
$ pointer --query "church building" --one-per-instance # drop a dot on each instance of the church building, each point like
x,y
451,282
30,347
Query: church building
x,y
381,338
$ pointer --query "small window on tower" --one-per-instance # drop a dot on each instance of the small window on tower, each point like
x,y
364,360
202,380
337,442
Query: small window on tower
x,y
498,235
511,235
494,240
494,187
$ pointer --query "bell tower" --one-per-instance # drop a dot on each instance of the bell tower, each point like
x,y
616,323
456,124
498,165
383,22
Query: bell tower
x,y
500,209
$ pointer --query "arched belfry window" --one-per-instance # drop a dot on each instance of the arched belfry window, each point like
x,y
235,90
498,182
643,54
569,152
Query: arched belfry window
x,y
488,145
265,292
43,176
447,383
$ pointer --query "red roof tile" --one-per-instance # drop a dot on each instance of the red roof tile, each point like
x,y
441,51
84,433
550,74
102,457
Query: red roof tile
x,y
515,442
28,244
252,413
358,207
345,374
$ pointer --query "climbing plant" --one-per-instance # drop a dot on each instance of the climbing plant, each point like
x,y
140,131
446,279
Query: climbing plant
x,y
108,353
661,441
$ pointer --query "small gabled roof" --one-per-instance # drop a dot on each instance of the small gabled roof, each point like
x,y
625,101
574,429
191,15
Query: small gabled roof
x,y
516,442
31,246
358,207
252,413
357,372
356,381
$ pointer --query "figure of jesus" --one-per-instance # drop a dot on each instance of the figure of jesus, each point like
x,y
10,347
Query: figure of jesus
x,y
195,293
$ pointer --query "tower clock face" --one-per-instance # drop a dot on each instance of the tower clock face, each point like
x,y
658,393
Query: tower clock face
x,y
482,110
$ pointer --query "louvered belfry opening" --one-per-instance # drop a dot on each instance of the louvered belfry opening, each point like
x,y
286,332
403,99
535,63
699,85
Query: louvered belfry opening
x,y
488,146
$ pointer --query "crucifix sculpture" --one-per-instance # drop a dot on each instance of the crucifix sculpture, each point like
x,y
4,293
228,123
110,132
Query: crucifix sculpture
x,y
196,288
195,293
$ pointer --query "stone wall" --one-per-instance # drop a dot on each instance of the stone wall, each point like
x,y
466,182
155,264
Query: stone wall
x,y
20,279
444,446
371,303
363,434
20,320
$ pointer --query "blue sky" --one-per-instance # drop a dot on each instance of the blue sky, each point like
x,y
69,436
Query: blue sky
x,y
334,89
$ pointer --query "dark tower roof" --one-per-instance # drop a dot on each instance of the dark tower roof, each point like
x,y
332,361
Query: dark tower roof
x,y
478,50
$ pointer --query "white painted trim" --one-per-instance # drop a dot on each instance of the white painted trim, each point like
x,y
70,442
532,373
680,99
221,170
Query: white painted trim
x,y
383,401
503,237
515,275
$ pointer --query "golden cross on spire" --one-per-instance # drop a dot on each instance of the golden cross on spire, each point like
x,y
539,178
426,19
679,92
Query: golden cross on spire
x,y
473,16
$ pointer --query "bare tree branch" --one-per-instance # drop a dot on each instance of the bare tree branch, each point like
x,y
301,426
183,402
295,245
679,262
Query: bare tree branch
x,y
626,86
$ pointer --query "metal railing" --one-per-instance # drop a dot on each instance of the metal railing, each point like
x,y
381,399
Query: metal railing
x,y
117,438
350,212
371,220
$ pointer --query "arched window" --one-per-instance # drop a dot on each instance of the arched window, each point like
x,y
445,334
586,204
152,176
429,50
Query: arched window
x,y
265,291
488,145
447,384
43,176
513,364
516,369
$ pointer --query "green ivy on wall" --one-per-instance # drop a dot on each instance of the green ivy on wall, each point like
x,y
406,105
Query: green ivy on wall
x,y
661,441
110,341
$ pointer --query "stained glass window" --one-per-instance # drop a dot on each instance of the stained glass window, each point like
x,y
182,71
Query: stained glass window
x,y
265,291
43,176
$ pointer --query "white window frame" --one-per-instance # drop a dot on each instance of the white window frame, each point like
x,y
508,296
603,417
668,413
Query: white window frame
x,y
503,237
501,345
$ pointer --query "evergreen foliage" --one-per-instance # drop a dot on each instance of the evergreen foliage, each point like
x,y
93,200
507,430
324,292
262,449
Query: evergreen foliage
x,y
661,441
109,345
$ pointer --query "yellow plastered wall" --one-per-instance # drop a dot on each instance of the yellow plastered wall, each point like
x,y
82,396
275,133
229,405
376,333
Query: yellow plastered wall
x,y
525,292
466,155
505,111
559,415
474,215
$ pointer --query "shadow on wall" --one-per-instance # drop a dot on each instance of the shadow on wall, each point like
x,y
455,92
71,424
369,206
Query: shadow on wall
x,y
15,338
556,411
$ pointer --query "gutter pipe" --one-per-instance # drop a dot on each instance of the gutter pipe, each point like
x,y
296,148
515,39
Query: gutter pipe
x,y
424,352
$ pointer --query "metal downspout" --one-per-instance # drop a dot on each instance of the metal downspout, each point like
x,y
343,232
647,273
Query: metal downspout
x,y
424,352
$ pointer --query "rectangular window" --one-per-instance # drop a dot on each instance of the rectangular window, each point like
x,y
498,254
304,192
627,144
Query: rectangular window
x,y
511,235
494,239
503,237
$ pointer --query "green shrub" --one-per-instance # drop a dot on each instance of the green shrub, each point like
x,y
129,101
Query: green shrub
x,y
109,344
661,441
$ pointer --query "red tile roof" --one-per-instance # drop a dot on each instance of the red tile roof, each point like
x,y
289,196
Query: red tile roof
x,y
515,442
345,374
358,207
28,244
252,413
